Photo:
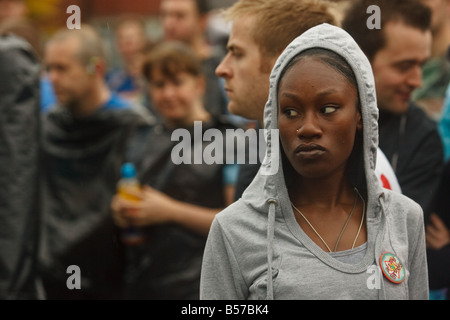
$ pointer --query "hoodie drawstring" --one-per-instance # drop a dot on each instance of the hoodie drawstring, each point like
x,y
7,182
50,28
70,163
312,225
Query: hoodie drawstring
x,y
270,235
381,292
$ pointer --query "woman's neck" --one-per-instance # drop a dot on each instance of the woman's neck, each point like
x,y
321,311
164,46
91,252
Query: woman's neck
x,y
322,192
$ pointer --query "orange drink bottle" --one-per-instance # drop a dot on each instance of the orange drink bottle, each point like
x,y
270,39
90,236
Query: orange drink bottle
x,y
128,188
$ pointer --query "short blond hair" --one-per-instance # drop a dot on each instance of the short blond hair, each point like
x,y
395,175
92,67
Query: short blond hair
x,y
91,43
278,22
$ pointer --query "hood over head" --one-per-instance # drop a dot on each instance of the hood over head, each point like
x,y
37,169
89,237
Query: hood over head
x,y
270,176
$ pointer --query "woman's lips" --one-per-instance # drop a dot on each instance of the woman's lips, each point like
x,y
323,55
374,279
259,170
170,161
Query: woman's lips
x,y
309,151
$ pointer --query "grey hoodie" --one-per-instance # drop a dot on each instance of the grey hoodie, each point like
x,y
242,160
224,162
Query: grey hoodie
x,y
257,250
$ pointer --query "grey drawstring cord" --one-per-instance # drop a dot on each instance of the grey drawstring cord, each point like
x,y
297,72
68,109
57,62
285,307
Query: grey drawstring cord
x,y
381,292
270,235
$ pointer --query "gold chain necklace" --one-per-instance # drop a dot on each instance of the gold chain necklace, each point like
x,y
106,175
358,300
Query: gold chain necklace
x,y
345,225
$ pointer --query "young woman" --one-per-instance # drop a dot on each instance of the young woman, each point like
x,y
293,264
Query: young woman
x,y
322,226
179,200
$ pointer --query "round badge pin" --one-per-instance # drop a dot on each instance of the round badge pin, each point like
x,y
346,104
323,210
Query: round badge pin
x,y
392,267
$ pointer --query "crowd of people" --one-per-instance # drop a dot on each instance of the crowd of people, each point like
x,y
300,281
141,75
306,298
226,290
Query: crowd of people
x,y
356,125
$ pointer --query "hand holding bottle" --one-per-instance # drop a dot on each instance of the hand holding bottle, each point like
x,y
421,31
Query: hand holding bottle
x,y
125,203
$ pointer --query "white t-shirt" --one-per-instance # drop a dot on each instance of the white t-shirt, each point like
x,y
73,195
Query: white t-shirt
x,y
385,173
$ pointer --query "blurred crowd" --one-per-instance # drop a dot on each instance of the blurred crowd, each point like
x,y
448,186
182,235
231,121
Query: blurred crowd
x,y
76,105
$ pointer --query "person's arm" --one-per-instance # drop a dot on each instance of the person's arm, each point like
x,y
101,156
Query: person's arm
x,y
438,253
221,278
418,278
156,207
437,234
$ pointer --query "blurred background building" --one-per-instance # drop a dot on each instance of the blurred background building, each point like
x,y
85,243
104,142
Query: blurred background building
x,y
49,15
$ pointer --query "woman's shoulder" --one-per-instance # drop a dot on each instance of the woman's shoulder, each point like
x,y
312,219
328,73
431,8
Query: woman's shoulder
x,y
402,209
236,212
244,230
240,217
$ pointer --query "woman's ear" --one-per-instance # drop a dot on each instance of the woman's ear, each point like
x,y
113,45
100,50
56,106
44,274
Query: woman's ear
x,y
359,124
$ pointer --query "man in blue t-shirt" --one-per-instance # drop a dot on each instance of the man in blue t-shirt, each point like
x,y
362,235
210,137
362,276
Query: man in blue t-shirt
x,y
76,65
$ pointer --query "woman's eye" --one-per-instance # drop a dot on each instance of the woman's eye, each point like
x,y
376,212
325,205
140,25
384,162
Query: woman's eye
x,y
329,109
290,112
